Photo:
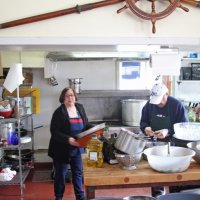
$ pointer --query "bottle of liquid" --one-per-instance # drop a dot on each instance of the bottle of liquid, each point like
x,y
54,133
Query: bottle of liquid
x,y
106,133
94,151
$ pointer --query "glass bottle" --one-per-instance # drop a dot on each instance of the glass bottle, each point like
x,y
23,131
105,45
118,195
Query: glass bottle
x,y
106,133
94,152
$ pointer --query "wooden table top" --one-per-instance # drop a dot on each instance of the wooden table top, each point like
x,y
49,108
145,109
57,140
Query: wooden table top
x,y
144,174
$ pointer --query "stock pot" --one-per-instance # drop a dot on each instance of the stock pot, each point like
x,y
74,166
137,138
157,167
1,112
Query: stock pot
x,y
132,111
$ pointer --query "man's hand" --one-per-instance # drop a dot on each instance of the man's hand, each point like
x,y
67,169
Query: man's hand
x,y
149,131
161,133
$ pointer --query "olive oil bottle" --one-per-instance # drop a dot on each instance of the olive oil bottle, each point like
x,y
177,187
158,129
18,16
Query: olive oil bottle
x,y
94,152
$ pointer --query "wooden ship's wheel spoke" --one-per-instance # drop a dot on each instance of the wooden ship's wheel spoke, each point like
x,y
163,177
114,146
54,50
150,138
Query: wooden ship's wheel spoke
x,y
153,16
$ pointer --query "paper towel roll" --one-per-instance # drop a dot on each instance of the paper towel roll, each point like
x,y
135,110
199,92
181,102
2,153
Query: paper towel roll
x,y
14,77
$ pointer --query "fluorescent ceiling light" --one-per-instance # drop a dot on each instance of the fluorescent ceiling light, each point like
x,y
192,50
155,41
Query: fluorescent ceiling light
x,y
104,54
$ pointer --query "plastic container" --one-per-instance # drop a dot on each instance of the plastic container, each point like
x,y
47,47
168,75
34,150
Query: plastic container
x,y
94,151
6,113
178,161
187,131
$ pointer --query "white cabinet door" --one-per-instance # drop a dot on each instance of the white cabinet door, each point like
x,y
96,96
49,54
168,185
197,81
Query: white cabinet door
x,y
33,59
29,59
8,58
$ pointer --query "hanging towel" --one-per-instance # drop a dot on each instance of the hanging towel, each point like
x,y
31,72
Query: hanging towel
x,y
14,77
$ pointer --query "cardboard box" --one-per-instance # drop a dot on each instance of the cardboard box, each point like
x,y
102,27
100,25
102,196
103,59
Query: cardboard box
x,y
28,78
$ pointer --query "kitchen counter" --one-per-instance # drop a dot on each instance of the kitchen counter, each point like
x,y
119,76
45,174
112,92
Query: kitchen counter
x,y
112,176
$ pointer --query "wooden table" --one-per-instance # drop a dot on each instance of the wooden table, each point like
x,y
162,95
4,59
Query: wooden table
x,y
112,176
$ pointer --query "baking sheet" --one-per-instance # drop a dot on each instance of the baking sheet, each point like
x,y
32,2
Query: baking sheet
x,y
91,130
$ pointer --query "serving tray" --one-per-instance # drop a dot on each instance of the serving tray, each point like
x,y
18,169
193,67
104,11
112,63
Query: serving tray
x,y
84,137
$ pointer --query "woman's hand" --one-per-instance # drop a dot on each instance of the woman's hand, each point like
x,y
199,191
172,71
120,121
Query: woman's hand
x,y
73,142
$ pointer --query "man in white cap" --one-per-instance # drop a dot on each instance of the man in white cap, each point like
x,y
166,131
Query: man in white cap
x,y
161,112
159,115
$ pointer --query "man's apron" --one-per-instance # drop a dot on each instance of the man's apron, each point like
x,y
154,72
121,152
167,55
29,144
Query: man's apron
x,y
159,122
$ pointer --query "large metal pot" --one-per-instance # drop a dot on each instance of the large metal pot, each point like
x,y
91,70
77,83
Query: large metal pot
x,y
128,142
131,111
7,130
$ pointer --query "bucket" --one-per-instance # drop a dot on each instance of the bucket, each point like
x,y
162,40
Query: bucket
x,y
132,111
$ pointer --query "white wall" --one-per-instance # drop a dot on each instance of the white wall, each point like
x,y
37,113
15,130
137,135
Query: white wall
x,y
97,75
102,22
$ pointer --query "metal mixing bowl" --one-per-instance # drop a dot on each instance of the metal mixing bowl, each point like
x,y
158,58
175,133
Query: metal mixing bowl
x,y
179,196
196,147
128,161
139,198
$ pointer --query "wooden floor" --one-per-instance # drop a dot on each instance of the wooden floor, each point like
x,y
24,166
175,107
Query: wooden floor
x,y
44,190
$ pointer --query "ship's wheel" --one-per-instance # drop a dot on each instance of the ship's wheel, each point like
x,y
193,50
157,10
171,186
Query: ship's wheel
x,y
153,16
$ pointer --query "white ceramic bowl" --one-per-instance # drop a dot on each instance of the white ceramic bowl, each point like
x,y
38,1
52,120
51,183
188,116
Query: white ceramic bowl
x,y
128,161
187,131
178,161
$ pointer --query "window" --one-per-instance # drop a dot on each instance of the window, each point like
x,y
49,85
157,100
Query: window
x,y
134,75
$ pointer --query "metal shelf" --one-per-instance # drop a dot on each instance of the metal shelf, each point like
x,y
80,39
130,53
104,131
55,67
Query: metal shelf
x,y
16,179
22,174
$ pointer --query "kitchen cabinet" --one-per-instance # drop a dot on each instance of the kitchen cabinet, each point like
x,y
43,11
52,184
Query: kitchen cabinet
x,y
29,59
23,168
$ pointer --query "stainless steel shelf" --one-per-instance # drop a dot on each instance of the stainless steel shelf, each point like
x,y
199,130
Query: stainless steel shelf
x,y
23,173
16,179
